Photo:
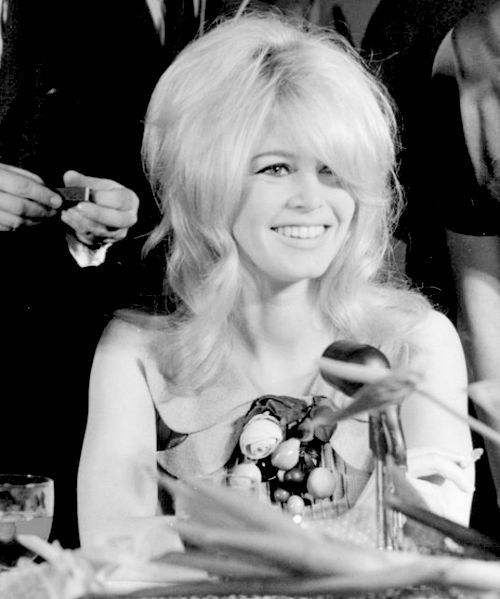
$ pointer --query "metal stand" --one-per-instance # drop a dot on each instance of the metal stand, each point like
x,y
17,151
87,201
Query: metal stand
x,y
386,439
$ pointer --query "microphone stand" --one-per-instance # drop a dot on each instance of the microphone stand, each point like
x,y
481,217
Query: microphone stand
x,y
386,439
379,450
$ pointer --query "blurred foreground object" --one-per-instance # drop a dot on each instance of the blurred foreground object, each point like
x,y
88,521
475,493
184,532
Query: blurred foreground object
x,y
246,548
66,575
226,528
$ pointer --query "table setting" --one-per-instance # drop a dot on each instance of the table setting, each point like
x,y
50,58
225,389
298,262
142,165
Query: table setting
x,y
233,545
273,524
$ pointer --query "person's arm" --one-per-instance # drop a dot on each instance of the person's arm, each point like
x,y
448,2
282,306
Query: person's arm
x,y
117,483
475,262
92,227
439,445
24,199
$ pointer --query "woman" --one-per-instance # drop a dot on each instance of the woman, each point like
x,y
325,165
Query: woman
x,y
272,152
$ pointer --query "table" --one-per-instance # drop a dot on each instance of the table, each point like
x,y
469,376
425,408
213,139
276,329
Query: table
x,y
406,593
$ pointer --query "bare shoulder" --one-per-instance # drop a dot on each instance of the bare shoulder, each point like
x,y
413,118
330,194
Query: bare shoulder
x,y
120,364
124,337
437,350
434,329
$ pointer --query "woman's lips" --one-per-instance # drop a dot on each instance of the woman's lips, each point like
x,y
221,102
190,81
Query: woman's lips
x,y
301,231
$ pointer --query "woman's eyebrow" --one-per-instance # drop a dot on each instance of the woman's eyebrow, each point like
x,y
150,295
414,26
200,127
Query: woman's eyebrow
x,y
283,153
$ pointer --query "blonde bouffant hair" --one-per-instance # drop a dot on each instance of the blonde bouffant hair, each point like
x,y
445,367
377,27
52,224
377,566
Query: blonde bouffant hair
x,y
206,114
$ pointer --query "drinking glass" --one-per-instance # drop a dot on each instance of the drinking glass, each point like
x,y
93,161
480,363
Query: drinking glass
x,y
26,507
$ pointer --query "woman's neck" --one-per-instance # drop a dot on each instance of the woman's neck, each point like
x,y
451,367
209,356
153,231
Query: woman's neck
x,y
277,317
280,338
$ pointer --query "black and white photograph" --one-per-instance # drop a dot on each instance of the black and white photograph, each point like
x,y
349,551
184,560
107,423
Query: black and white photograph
x,y
250,287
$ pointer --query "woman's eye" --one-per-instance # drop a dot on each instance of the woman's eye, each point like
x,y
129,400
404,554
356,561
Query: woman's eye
x,y
326,172
276,170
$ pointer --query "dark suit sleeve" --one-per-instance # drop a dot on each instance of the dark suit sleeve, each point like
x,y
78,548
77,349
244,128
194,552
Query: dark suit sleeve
x,y
466,86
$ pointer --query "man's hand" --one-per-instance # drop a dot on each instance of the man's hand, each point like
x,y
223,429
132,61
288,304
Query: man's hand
x,y
107,218
24,199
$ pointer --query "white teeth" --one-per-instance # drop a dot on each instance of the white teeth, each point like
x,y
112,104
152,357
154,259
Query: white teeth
x,y
301,232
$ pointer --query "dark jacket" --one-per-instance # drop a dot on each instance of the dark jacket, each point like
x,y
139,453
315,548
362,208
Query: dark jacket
x,y
76,77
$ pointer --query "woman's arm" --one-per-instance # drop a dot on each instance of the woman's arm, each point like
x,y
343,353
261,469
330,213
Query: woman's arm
x,y
440,445
117,474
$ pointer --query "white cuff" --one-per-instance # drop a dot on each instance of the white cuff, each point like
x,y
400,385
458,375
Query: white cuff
x,y
85,256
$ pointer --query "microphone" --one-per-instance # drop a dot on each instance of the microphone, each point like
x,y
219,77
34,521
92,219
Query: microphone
x,y
351,353
386,433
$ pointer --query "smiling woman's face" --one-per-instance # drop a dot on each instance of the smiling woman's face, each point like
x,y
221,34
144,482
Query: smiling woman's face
x,y
295,216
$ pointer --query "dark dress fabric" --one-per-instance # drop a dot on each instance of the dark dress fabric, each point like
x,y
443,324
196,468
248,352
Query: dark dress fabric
x,y
437,172
75,80
401,42
465,207
467,82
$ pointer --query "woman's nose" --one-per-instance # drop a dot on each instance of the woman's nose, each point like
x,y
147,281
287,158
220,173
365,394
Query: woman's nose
x,y
308,193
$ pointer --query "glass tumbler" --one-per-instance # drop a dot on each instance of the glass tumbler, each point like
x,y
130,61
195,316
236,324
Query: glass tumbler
x,y
26,507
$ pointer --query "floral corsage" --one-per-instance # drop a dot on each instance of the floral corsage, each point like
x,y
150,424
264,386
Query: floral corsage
x,y
284,442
